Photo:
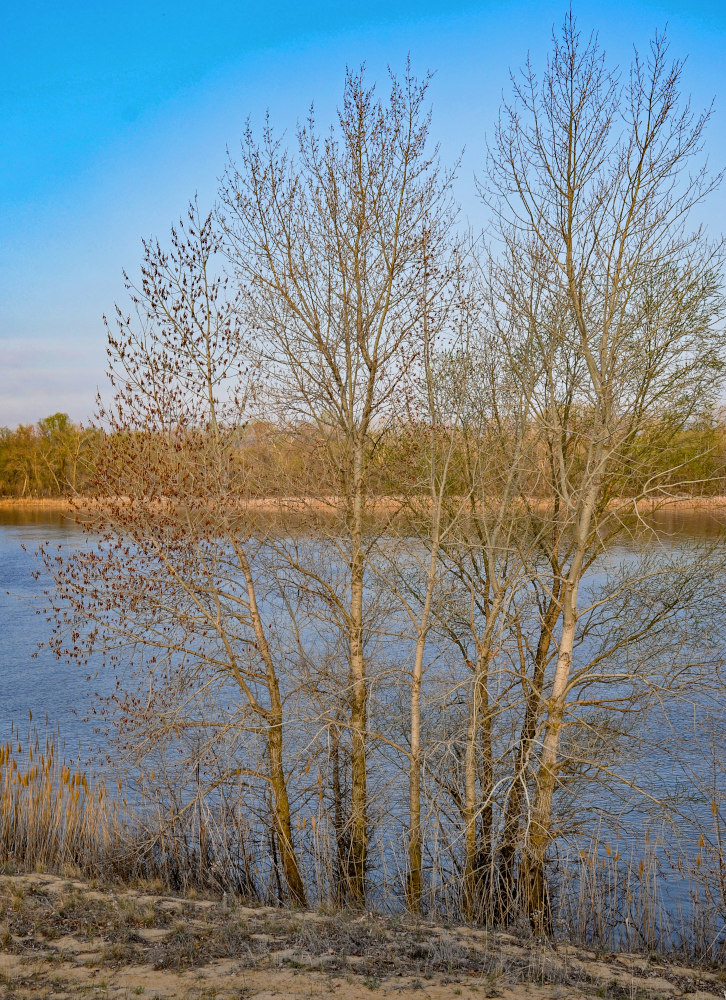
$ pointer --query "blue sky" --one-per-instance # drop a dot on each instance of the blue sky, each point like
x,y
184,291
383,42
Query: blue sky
x,y
114,115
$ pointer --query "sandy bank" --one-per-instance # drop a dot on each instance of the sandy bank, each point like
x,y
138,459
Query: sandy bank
x,y
385,504
63,938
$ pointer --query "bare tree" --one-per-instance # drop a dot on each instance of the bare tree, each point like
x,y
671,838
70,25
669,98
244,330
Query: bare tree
x,y
376,606
332,243
601,289
169,585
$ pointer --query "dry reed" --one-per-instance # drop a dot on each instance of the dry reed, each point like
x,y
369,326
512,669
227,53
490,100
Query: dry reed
x,y
53,818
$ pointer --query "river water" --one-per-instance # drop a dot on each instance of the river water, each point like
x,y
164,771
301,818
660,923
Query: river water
x,y
61,695
32,680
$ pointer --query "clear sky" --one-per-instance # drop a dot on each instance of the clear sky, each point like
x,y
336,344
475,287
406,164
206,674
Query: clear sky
x,y
113,115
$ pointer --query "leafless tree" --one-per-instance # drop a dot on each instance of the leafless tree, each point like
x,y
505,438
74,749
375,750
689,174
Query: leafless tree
x,y
610,302
341,247
410,621
169,584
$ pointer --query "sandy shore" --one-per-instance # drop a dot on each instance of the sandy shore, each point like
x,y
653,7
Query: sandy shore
x,y
33,503
63,505
63,938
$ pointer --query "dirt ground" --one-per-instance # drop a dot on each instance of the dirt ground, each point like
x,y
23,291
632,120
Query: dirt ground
x,y
63,938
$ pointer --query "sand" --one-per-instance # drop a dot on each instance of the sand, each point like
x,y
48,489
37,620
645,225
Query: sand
x,y
65,938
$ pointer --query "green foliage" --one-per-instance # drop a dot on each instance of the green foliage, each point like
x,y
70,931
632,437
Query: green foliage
x,y
55,457
48,459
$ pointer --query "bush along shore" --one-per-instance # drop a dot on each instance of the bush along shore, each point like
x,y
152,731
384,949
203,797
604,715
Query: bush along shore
x,y
99,896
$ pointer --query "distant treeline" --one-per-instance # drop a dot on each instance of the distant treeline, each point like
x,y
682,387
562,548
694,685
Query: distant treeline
x,y
56,457
48,459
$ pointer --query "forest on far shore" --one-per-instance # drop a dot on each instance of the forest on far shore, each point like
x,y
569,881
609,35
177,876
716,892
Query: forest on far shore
x,y
56,457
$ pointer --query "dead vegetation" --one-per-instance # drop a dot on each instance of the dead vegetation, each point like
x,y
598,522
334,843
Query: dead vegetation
x,y
65,938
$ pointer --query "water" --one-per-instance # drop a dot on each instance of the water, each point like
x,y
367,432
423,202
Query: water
x,y
33,681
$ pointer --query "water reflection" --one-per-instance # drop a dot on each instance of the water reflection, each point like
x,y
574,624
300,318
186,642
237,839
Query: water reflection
x,y
676,521
684,523
666,757
19,516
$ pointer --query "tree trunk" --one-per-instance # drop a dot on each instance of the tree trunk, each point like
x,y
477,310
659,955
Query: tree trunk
x,y
414,794
478,740
533,862
282,817
415,862
278,782
358,848
506,895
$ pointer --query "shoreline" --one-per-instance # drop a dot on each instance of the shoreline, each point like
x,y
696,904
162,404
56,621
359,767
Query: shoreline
x,y
36,503
67,936
65,505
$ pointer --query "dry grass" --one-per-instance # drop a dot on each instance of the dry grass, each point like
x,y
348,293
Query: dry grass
x,y
69,932
51,817
618,903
